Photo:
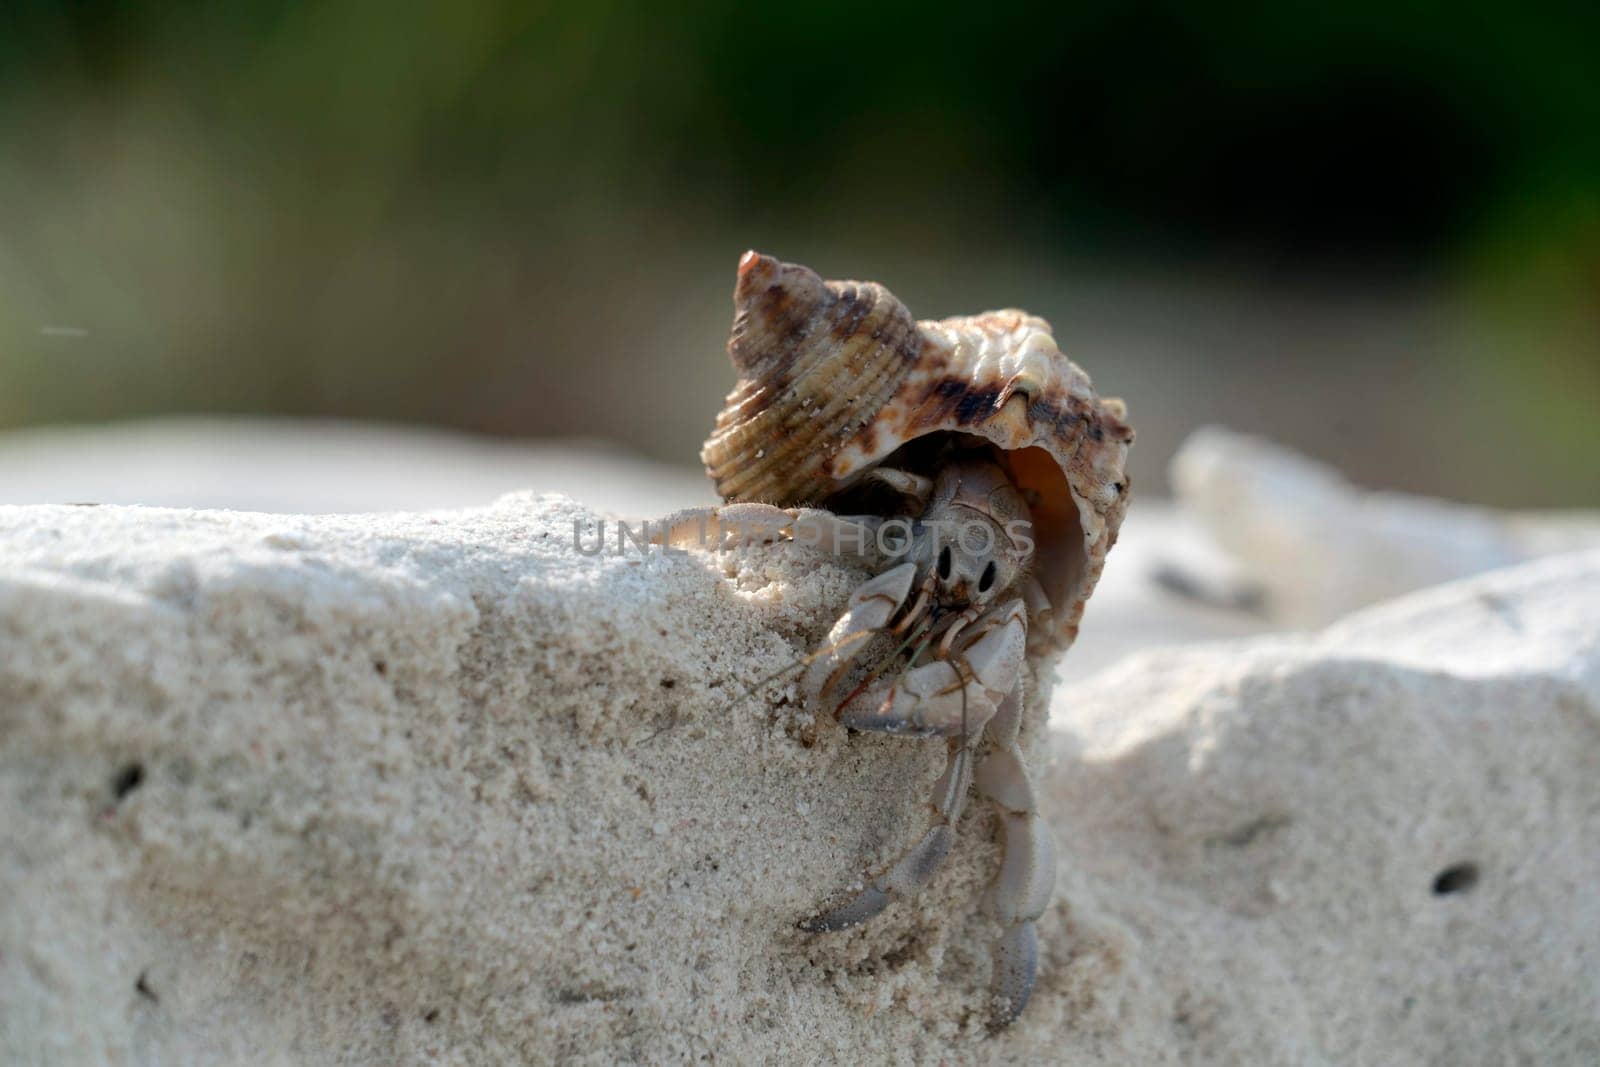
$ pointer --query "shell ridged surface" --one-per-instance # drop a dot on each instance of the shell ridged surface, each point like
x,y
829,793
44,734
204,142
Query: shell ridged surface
x,y
834,377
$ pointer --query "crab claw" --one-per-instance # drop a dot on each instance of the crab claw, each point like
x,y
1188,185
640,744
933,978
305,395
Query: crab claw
x,y
871,606
937,698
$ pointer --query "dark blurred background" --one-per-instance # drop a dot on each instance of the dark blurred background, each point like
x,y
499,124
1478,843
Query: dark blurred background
x,y
1368,232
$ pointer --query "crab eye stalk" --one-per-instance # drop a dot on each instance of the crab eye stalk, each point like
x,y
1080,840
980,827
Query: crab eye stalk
x,y
986,581
944,564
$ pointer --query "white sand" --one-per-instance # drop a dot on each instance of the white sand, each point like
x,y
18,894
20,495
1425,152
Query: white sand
x,y
436,789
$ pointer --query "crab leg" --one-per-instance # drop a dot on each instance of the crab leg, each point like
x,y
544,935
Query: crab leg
x,y
993,658
915,487
1027,876
748,523
712,526
1033,595
1041,613
916,866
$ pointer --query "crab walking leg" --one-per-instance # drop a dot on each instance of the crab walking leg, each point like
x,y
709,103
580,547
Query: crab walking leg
x,y
1027,876
916,867
841,535
1041,613
994,661
712,527
871,607
938,698
914,487
748,523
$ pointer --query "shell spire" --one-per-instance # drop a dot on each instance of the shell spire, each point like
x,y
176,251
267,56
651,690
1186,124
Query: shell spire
x,y
836,376
815,360
767,299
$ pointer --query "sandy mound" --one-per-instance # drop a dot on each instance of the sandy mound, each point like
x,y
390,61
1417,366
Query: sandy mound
x,y
1313,546
439,788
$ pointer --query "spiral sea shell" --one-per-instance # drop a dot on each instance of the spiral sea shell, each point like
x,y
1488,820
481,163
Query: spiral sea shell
x,y
835,377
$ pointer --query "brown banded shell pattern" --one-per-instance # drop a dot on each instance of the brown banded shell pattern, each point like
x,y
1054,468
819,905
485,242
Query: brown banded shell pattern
x,y
836,376
816,360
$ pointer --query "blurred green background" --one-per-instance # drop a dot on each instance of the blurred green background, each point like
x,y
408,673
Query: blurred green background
x,y
1371,233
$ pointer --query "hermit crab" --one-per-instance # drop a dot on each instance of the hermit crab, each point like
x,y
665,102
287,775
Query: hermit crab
x,y
975,464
